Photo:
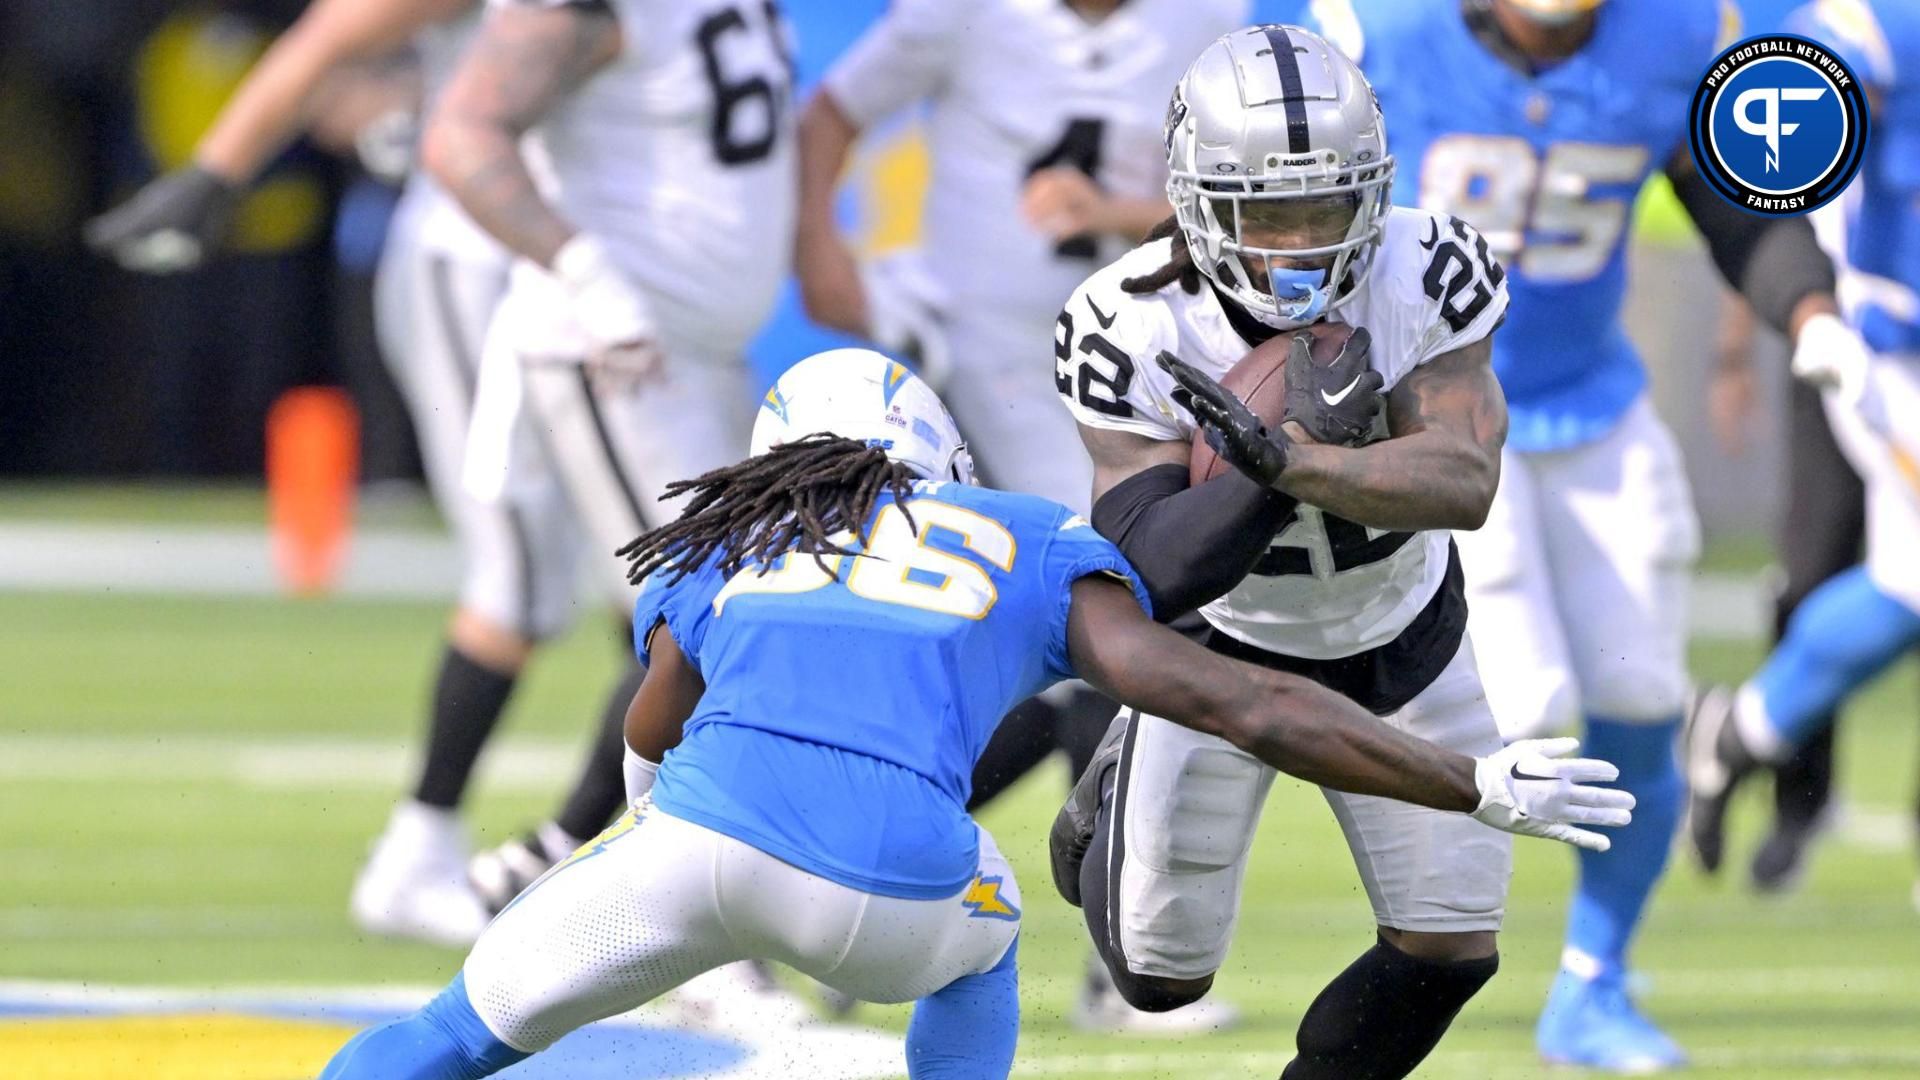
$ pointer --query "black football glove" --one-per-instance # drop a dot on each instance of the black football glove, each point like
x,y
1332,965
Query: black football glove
x,y
170,225
1335,402
1232,429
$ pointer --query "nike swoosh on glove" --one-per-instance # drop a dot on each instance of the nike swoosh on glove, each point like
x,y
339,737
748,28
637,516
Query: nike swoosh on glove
x,y
1233,430
1336,402
1534,788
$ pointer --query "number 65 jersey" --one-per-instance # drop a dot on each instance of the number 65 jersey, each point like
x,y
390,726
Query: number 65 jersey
x,y
1328,588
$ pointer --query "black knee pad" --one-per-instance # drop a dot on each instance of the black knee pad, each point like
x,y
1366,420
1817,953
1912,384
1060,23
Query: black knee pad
x,y
1151,993
1383,1015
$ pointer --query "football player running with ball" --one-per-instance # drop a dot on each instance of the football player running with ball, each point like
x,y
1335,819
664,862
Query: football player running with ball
x,y
1324,551
1560,111
637,158
756,770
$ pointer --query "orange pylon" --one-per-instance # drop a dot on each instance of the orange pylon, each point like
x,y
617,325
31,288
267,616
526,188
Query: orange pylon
x,y
313,461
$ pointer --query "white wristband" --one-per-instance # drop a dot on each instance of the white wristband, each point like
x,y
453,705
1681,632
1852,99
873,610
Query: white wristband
x,y
640,774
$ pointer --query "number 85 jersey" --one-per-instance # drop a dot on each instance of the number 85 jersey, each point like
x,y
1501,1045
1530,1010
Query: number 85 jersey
x,y
1546,165
1328,588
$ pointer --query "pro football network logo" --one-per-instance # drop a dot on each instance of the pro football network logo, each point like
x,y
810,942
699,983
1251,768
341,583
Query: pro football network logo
x,y
1779,125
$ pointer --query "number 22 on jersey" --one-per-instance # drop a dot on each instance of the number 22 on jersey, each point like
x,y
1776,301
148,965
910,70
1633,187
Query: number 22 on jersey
x,y
899,566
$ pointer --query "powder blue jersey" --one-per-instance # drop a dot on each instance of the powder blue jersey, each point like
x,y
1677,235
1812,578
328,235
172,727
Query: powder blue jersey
x,y
1546,167
1874,228
842,718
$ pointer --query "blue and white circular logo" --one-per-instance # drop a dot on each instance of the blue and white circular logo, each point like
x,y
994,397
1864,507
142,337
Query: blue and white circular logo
x,y
1779,125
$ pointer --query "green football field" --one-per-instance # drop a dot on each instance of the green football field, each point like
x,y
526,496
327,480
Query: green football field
x,y
187,785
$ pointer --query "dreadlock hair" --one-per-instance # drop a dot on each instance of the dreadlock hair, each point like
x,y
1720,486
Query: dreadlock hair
x,y
1178,268
791,498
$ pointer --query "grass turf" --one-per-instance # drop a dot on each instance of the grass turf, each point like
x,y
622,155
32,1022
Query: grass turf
x,y
127,861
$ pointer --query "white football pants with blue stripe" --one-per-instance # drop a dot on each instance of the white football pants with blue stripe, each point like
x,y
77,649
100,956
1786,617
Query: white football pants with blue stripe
x,y
656,900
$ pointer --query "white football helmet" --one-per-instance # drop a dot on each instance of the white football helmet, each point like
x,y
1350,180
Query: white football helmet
x,y
1273,117
860,394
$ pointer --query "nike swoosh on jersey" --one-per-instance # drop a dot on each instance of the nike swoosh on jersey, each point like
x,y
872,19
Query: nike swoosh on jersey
x,y
1335,399
1106,320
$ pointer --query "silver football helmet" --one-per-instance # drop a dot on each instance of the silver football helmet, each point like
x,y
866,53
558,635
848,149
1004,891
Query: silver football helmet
x,y
1279,171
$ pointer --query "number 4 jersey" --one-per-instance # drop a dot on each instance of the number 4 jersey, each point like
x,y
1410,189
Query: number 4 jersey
x,y
1328,588
1015,86
844,711
679,156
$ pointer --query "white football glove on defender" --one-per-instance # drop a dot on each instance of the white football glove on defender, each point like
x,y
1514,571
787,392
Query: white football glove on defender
x,y
1533,788
608,309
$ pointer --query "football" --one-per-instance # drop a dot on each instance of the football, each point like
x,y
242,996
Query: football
x,y
1260,380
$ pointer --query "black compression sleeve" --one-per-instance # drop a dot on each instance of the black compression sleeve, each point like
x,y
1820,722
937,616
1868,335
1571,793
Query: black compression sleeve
x,y
1189,544
1774,262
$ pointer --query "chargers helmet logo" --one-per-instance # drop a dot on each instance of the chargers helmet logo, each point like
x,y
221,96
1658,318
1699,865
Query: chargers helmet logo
x,y
1778,125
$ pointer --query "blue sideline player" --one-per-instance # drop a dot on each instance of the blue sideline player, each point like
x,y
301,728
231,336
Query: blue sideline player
x,y
833,628
1553,114
1849,630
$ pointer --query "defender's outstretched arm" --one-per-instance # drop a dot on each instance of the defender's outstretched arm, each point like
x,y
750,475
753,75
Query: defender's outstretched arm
x,y
1308,731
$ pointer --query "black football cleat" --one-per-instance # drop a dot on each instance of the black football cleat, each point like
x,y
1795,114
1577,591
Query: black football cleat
x,y
1073,826
1716,763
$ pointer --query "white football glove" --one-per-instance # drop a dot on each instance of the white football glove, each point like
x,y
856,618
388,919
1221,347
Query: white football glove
x,y
1534,788
1830,355
608,309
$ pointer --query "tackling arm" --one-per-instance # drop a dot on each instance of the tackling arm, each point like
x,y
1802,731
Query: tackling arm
x,y
523,63
1291,723
1440,468
1188,544
1308,731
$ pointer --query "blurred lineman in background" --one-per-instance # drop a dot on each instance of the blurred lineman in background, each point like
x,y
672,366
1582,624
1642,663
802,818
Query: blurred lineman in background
x,y
1044,126
1559,111
1860,621
636,156
1819,532
440,277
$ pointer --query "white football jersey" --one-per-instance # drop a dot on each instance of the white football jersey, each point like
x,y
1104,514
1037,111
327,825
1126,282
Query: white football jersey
x,y
425,208
1327,588
679,156
1013,86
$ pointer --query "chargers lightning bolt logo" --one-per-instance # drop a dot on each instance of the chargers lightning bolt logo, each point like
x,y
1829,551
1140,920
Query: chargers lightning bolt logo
x,y
984,900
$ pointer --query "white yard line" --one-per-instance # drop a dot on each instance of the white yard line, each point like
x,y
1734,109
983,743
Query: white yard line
x,y
421,565
510,764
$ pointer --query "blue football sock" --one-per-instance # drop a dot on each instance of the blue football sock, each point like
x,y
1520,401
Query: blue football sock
x,y
967,1029
1842,635
1614,884
445,1040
